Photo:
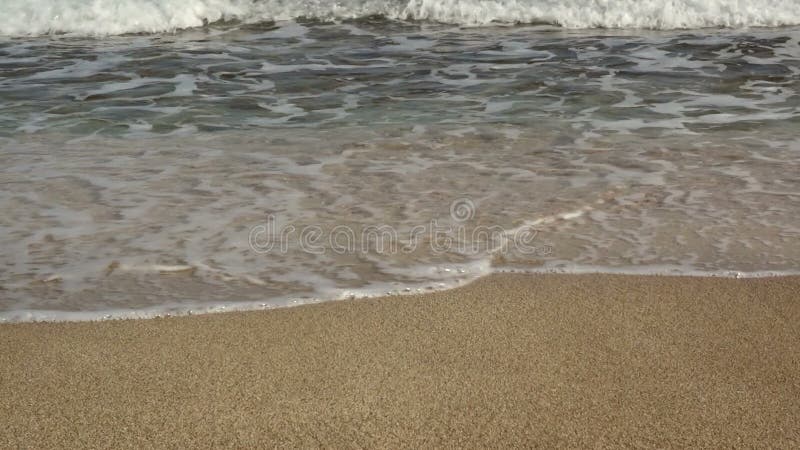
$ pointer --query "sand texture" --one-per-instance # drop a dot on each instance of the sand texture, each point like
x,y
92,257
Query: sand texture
x,y
510,360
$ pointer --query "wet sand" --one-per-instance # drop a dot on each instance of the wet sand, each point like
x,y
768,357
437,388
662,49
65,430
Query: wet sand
x,y
589,360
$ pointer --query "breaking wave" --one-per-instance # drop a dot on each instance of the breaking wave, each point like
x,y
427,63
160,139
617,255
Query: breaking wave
x,y
109,17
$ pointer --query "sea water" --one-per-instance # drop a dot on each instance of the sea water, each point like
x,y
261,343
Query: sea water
x,y
164,156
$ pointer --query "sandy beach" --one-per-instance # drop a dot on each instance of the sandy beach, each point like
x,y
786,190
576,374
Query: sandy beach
x,y
163,159
544,360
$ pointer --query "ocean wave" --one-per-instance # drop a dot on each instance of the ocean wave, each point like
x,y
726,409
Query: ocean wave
x,y
110,17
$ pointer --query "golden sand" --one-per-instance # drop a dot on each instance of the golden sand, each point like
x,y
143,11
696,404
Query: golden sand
x,y
570,360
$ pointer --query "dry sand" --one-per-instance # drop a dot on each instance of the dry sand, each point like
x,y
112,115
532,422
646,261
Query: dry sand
x,y
509,360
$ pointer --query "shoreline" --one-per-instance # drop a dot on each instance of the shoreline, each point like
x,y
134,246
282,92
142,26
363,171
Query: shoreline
x,y
509,359
372,292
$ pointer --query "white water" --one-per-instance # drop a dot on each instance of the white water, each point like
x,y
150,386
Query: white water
x,y
134,228
110,17
135,169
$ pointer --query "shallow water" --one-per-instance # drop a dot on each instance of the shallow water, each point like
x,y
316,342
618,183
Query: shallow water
x,y
277,163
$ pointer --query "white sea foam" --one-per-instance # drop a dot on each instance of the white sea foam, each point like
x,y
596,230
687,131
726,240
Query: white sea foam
x,y
109,17
460,277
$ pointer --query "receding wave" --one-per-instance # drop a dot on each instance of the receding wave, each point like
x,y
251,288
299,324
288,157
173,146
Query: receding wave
x,y
109,17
